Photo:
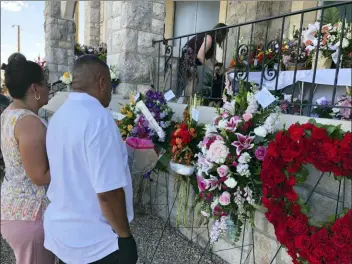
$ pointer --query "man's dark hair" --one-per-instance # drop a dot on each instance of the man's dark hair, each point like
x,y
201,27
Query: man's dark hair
x,y
87,60
20,74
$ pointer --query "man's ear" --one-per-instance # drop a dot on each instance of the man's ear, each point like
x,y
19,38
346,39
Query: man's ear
x,y
101,83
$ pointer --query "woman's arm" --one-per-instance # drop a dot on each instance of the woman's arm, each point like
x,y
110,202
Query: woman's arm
x,y
207,43
30,134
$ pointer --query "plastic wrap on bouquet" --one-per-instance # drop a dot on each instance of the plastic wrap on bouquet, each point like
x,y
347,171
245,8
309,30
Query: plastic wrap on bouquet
x,y
182,169
142,156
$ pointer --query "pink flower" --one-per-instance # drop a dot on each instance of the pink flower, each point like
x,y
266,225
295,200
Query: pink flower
x,y
247,116
232,124
346,112
243,143
234,164
260,152
203,184
204,164
225,115
225,198
223,171
217,152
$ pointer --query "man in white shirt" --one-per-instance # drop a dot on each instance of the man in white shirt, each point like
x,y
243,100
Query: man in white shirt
x,y
90,192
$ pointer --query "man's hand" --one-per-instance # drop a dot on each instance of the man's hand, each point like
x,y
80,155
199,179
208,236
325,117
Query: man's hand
x,y
127,250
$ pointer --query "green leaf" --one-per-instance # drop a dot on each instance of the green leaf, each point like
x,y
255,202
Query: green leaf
x,y
330,129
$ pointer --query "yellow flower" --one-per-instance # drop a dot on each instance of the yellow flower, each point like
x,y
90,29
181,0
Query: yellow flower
x,y
132,99
129,114
66,75
123,110
129,128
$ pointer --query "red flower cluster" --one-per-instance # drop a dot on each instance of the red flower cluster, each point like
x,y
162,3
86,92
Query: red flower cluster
x,y
302,144
180,139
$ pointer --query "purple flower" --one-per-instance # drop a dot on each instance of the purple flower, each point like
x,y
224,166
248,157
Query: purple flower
x,y
260,152
243,143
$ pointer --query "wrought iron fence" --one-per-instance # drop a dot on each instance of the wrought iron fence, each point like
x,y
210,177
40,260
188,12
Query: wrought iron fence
x,y
273,61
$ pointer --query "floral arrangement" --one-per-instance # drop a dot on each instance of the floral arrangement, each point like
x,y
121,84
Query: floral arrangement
x,y
289,105
136,124
330,37
344,113
115,81
290,55
185,138
328,148
229,161
66,78
100,51
322,109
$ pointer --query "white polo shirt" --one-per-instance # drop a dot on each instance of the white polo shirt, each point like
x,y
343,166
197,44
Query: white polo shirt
x,y
86,156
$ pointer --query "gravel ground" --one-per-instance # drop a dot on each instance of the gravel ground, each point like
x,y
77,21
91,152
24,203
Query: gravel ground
x,y
173,247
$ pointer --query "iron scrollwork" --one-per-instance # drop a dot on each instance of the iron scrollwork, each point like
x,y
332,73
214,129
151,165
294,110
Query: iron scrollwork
x,y
271,68
168,56
242,65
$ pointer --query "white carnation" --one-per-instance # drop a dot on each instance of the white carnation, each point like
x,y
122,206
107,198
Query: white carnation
x,y
242,169
231,183
260,131
244,158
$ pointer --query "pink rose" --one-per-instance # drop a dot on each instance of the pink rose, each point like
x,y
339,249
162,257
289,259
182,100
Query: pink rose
x,y
217,152
225,115
225,198
260,152
223,171
247,116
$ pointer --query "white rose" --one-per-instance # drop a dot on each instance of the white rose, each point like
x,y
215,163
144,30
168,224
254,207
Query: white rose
x,y
244,158
345,43
349,35
231,183
260,131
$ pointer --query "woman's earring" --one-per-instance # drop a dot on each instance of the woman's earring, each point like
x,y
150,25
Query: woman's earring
x,y
37,98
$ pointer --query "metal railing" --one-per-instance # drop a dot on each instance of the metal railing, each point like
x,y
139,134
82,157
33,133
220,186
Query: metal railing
x,y
264,60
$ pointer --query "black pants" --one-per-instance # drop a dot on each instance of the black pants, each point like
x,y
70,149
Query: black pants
x,y
110,259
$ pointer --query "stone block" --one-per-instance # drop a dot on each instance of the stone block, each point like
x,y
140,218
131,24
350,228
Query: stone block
x,y
124,40
94,31
145,43
53,8
265,249
63,68
159,10
115,7
53,67
94,4
137,15
158,27
94,15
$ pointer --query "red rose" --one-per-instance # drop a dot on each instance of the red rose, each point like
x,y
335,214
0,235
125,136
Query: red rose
x,y
291,195
320,238
296,132
291,181
339,241
278,176
295,209
272,150
302,242
318,133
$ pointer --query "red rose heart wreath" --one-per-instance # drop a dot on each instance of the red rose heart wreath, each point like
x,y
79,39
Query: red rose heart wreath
x,y
329,149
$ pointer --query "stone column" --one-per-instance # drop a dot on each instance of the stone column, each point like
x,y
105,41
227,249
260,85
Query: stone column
x,y
132,26
59,41
92,23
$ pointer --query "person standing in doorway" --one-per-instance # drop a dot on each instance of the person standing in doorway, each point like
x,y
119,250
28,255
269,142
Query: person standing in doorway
x,y
91,196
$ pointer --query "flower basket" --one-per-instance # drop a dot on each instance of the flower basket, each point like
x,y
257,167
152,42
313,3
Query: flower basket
x,y
323,62
182,169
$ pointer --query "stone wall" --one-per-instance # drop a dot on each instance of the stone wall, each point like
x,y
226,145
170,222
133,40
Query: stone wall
x,y
59,40
92,23
132,27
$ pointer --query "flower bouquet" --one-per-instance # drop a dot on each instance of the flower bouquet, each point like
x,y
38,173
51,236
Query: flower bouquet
x,y
184,141
292,55
66,78
148,117
229,161
115,81
344,103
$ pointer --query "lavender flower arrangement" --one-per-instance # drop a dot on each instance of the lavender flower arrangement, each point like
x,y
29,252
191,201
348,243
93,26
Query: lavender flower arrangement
x,y
322,110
